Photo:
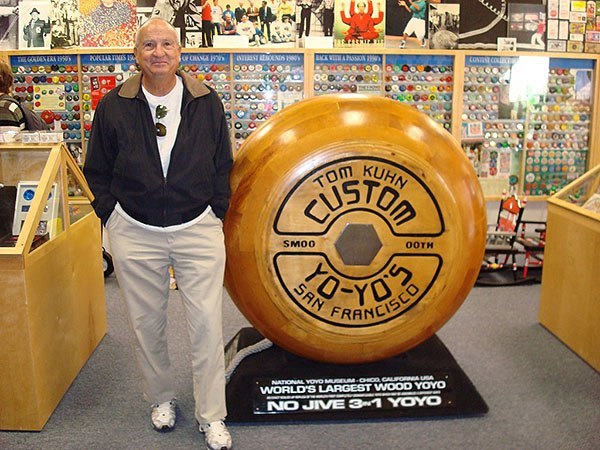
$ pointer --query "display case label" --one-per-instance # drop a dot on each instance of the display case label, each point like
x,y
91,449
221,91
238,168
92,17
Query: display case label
x,y
371,393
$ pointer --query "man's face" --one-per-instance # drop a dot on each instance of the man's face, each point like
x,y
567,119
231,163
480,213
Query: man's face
x,y
158,53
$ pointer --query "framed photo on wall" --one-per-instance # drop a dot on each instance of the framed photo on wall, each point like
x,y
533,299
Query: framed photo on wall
x,y
35,25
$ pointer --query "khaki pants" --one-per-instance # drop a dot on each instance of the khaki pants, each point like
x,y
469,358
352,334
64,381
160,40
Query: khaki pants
x,y
142,259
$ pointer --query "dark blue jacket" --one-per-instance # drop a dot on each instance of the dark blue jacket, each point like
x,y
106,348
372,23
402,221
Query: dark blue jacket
x,y
123,163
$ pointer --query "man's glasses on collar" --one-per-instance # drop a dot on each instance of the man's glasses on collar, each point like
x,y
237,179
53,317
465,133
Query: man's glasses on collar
x,y
161,112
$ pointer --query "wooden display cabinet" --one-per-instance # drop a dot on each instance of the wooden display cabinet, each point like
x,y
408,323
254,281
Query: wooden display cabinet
x,y
52,313
570,300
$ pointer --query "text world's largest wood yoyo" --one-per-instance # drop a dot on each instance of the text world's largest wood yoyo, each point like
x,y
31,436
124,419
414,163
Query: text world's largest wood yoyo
x,y
356,228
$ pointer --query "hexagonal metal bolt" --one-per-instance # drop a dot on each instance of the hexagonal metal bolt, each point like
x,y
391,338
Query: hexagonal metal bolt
x,y
358,244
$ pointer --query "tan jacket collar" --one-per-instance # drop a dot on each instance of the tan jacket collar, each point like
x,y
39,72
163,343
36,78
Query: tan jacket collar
x,y
132,86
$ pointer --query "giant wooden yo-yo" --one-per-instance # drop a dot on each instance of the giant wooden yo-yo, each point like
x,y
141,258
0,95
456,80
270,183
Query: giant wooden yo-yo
x,y
356,228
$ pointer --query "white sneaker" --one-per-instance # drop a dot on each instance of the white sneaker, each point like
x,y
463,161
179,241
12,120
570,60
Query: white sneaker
x,y
164,415
217,436
402,43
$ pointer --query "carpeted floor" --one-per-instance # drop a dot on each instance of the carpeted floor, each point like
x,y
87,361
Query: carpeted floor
x,y
540,394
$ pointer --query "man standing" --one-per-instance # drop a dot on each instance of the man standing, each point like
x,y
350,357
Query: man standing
x,y
207,24
252,12
35,30
266,14
239,12
305,16
216,13
158,163
228,12
416,24
327,6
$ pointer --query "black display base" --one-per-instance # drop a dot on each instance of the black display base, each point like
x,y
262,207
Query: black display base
x,y
275,385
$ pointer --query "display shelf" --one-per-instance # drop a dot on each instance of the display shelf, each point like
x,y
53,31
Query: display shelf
x,y
526,121
425,82
99,74
569,306
347,73
557,141
50,85
538,141
53,306
262,85
216,71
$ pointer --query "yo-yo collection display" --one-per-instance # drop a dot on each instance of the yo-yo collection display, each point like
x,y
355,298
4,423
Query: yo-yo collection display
x,y
347,73
558,132
49,85
262,85
99,74
521,122
215,70
525,121
491,120
423,82
499,157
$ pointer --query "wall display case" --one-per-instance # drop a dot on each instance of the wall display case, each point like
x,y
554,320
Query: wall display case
x,y
215,70
493,121
525,120
349,73
424,82
559,127
99,74
50,85
52,312
569,305
262,85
